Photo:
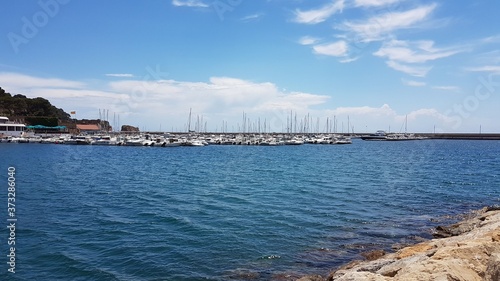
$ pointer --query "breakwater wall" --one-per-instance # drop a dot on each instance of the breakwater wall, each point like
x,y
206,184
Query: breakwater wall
x,y
461,136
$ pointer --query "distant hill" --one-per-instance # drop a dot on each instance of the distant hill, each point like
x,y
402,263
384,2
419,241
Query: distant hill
x,y
36,111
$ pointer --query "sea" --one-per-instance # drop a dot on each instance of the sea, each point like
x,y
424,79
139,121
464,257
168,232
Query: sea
x,y
230,212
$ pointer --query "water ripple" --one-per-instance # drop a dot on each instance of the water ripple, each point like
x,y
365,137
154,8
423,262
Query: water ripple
x,y
235,212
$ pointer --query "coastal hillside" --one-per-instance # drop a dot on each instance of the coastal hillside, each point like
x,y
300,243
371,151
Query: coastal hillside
x,y
32,111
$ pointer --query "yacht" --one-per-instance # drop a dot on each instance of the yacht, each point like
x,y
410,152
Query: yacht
x,y
193,142
78,140
380,135
12,129
106,140
171,143
343,140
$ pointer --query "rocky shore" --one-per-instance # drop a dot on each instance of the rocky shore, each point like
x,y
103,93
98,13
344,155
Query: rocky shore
x,y
465,251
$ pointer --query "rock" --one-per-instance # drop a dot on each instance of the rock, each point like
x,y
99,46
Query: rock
x,y
493,268
375,265
495,237
312,278
455,229
390,270
491,208
128,128
413,250
373,255
361,276
471,252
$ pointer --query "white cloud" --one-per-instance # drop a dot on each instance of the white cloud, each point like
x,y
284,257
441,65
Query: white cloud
x,y
374,3
408,56
119,75
370,118
189,3
20,81
384,110
308,40
413,83
319,15
486,68
252,17
336,49
379,27
414,52
428,112
488,58
142,102
417,71
491,39
148,104
447,88
348,60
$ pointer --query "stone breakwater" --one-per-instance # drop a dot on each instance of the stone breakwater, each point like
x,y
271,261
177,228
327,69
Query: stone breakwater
x,y
465,251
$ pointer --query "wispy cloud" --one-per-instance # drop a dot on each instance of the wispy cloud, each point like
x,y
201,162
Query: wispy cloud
x,y
308,40
486,68
414,52
379,27
413,83
408,57
122,75
447,88
491,39
253,17
488,58
336,49
417,71
189,3
348,60
375,3
319,15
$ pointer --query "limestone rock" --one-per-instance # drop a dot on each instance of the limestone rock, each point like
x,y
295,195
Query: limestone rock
x,y
493,268
470,252
312,278
373,255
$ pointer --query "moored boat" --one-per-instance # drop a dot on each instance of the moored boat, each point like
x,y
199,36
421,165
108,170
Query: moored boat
x,y
380,135
9,128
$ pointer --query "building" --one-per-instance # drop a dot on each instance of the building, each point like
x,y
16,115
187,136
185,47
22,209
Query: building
x,y
88,128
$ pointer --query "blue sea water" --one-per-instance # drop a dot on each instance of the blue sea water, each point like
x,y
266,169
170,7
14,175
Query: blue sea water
x,y
231,212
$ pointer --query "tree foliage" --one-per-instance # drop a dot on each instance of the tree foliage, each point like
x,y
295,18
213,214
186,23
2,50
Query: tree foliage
x,y
30,109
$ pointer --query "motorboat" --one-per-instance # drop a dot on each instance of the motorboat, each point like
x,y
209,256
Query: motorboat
x,y
380,135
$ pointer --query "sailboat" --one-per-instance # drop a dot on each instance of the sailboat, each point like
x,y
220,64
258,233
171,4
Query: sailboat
x,y
403,137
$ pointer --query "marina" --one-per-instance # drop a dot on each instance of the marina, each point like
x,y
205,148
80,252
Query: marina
x,y
15,132
198,140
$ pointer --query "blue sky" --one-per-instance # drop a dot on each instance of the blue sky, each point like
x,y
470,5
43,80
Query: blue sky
x,y
375,63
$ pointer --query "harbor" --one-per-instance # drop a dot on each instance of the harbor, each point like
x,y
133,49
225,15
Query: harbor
x,y
185,139
14,132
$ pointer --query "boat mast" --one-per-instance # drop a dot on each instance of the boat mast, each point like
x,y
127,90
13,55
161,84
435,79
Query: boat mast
x,y
406,123
189,121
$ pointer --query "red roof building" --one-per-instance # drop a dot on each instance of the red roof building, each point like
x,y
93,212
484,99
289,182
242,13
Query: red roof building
x,y
88,128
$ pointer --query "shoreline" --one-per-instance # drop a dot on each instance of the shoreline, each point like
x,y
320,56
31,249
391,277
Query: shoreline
x,y
464,251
